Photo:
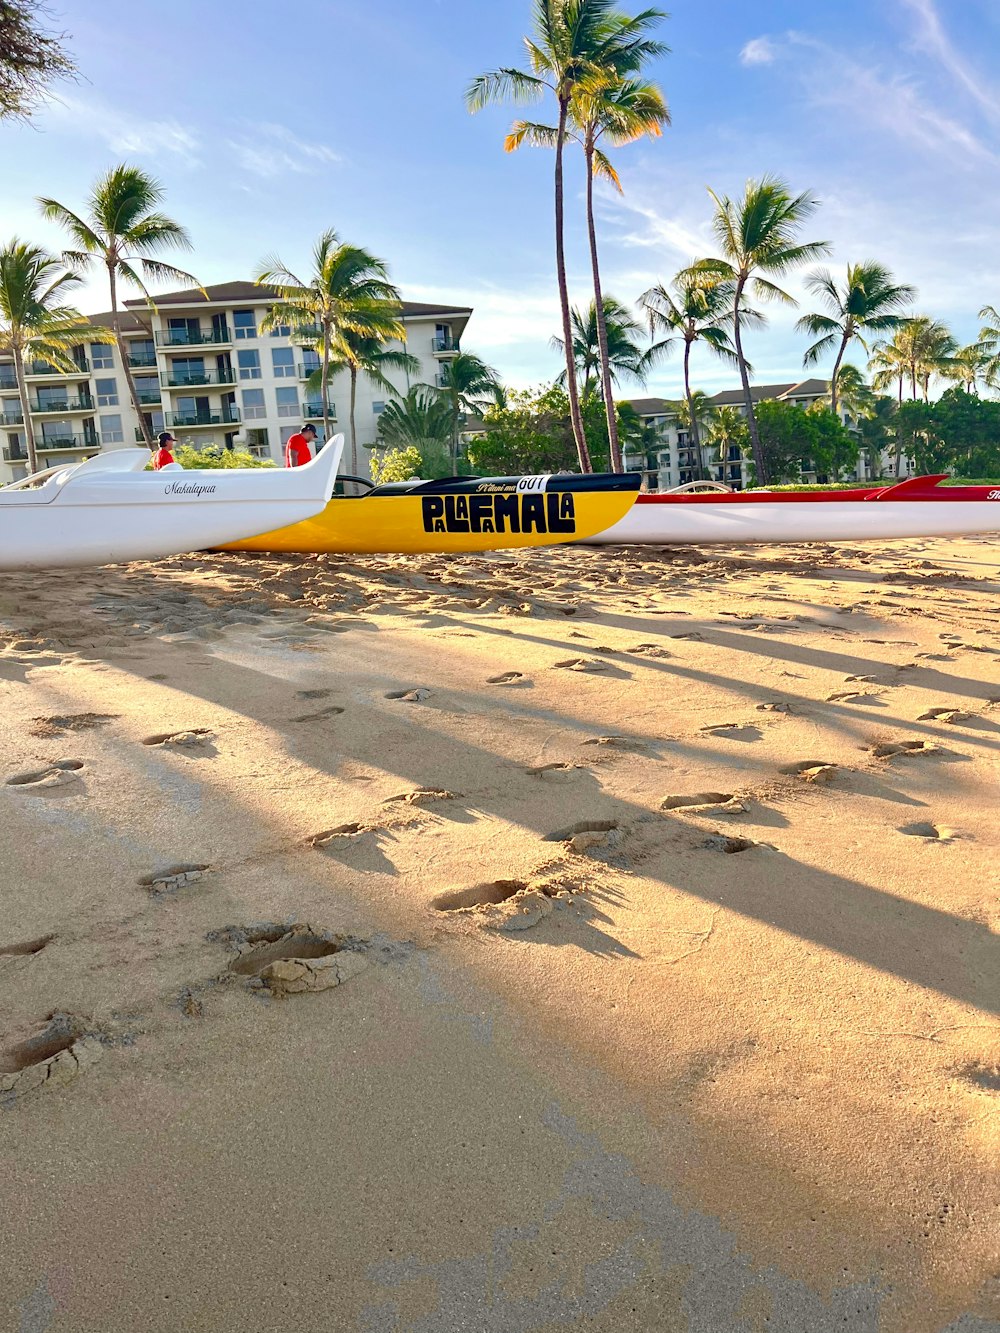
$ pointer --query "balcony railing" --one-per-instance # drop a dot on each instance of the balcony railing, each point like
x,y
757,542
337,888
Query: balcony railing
x,y
305,371
200,337
142,360
82,404
228,416
67,442
81,367
8,380
14,418
444,342
146,397
313,407
15,453
189,379
310,333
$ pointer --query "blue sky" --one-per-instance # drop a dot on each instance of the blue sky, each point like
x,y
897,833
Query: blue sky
x,y
268,123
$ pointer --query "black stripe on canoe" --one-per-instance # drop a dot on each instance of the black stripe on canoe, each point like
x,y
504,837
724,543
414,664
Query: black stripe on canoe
x,y
570,481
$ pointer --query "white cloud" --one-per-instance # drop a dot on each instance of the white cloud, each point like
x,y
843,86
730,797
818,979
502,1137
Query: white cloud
x,y
932,39
758,51
122,131
269,150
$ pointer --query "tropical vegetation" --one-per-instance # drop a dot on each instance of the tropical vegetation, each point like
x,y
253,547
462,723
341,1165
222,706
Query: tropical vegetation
x,y
31,58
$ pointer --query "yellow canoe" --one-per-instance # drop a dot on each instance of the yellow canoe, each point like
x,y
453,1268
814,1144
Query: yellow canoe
x,y
460,514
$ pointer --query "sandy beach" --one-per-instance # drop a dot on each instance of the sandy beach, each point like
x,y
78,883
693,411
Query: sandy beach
x,y
571,939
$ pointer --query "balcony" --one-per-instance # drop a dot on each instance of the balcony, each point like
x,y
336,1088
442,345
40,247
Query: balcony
x,y
226,416
443,344
15,453
81,370
304,372
142,360
58,406
45,446
13,418
307,335
189,379
148,397
200,337
8,380
313,407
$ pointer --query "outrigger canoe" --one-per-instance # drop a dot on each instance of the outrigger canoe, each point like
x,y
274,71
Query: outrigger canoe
x,y
917,507
460,514
110,509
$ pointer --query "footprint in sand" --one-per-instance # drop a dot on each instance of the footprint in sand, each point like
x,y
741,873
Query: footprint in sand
x,y
415,695
810,770
649,650
617,742
580,664
332,711
692,634
290,960
558,770
587,833
724,842
930,832
486,894
61,775
343,833
944,715
25,948
313,694
732,731
891,749
421,796
507,678
189,739
851,696
168,879
861,680
507,904
50,728
55,1053
715,801
775,706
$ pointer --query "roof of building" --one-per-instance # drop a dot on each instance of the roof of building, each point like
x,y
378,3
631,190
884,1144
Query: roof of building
x,y
651,407
223,293
792,389
127,322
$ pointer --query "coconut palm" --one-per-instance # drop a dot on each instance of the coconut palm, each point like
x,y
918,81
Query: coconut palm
x,y
35,322
419,418
467,384
972,363
758,237
727,426
869,301
989,339
619,113
922,347
574,45
626,359
851,391
348,293
889,363
122,229
694,308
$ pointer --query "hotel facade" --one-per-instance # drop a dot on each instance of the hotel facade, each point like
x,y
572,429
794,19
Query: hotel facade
x,y
204,371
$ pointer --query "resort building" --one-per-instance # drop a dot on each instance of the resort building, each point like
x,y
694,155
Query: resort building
x,y
672,460
204,371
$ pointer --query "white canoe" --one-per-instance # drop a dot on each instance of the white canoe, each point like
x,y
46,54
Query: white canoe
x,y
917,507
109,509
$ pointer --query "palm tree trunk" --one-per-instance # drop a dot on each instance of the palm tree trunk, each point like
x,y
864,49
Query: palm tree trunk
x,y
755,446
695,436
324,381
147,434
354,429
836,371
571,387
602,324
899,435
22,393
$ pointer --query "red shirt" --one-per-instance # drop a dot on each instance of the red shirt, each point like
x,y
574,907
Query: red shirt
x,y
161,458
297,451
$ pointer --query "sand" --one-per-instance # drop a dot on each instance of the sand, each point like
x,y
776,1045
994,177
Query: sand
x,y
550,940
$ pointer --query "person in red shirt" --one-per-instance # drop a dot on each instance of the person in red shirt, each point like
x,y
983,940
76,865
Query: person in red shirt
x,y
298,449
163,456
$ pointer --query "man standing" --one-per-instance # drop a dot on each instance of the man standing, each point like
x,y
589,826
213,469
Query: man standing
x,y
298,449
163,456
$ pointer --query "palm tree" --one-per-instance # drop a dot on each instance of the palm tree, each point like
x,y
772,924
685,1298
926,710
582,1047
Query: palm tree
x,y
972,363
869,301
419,418
574,45
348,293
626,359
468,384
889,363
123,229
726,427
989,340
34,322
620,112
695,308
364,354
757,236
851,391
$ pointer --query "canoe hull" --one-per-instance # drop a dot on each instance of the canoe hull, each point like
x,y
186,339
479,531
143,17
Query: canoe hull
x,y
460,514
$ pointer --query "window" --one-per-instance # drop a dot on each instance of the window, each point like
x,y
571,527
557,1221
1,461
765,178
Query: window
x,y
283,360
141,352
288,402
378,408
244,324
286,433
111,429
257,442
188,370
281,331
102,356
107,393
253,404
310,361
249,364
